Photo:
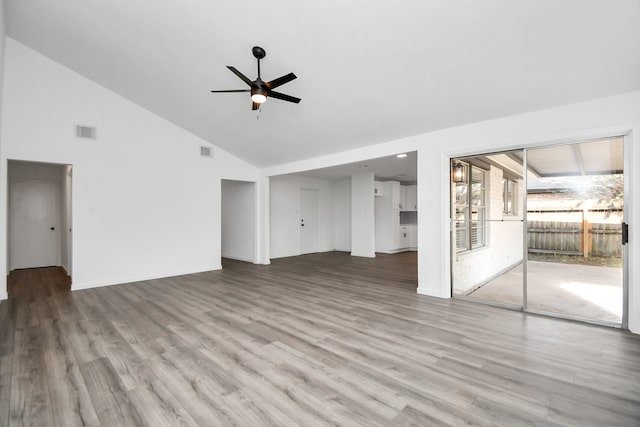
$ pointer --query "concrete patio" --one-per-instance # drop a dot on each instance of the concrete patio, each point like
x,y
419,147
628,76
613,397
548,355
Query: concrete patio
x,y
577,290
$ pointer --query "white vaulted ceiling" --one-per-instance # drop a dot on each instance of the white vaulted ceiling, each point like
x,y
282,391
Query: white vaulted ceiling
x,y
368,71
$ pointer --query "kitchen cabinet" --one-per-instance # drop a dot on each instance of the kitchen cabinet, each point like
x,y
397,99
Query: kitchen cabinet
x,y
403,197
404,236
408,198
408,236
411,201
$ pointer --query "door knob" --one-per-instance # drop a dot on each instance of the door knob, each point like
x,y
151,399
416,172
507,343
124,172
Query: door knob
x,y
53,228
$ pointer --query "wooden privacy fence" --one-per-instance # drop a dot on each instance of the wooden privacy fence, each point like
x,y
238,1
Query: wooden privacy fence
x,y
563,233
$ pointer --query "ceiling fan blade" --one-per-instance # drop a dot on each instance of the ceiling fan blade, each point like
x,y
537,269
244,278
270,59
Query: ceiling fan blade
x,y
255,106
231,90
239,74
284,97
280,81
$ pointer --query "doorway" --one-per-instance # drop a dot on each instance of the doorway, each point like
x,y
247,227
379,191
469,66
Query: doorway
x,y
39,216
309,213
541,230
238,220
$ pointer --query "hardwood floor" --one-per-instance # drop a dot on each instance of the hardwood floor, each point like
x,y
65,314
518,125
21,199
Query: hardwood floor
x,y
323,339
37,283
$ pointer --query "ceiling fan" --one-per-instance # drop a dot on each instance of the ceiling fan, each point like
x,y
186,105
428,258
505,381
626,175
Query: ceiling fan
x,y
261,90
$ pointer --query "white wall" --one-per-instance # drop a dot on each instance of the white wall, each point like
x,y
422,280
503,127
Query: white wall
x,y
285,213
362,216
602,117
238,220
342,215
145,204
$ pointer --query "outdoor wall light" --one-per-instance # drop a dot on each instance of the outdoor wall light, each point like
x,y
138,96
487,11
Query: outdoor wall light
x,y
457,172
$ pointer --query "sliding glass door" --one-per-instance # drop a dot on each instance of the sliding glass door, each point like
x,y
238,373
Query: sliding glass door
x,y
541,229
575,210
487,227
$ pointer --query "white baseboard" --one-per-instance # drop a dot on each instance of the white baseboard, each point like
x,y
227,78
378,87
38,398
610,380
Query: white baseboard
x,y
424,291
238,258
364,255
396,251
124,281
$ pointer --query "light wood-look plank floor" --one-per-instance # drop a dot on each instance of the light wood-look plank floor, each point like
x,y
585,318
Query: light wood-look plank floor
x,y
316,340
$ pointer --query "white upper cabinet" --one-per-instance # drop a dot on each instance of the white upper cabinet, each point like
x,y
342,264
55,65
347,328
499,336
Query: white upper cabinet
x,y
408,197
403,198
412,198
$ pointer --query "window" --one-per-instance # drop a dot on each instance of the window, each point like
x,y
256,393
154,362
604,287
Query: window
x,y
470,208
478,207
509,197
462,212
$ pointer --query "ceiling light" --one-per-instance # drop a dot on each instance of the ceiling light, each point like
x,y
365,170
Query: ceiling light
x,y
258,95
402,156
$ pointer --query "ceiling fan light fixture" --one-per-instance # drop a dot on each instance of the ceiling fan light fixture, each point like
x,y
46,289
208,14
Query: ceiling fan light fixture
x,y
258,95
258,98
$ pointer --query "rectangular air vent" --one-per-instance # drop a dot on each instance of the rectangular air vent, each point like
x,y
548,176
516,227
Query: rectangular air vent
x,y
206,151
86,132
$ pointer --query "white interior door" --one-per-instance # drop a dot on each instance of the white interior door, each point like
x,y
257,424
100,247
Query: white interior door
x,y
308,221
34,239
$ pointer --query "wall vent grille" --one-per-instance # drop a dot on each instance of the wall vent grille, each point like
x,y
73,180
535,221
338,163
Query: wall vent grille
x,y
85,132
206,151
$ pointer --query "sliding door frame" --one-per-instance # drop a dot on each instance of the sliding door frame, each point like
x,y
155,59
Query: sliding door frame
x,y
624,324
